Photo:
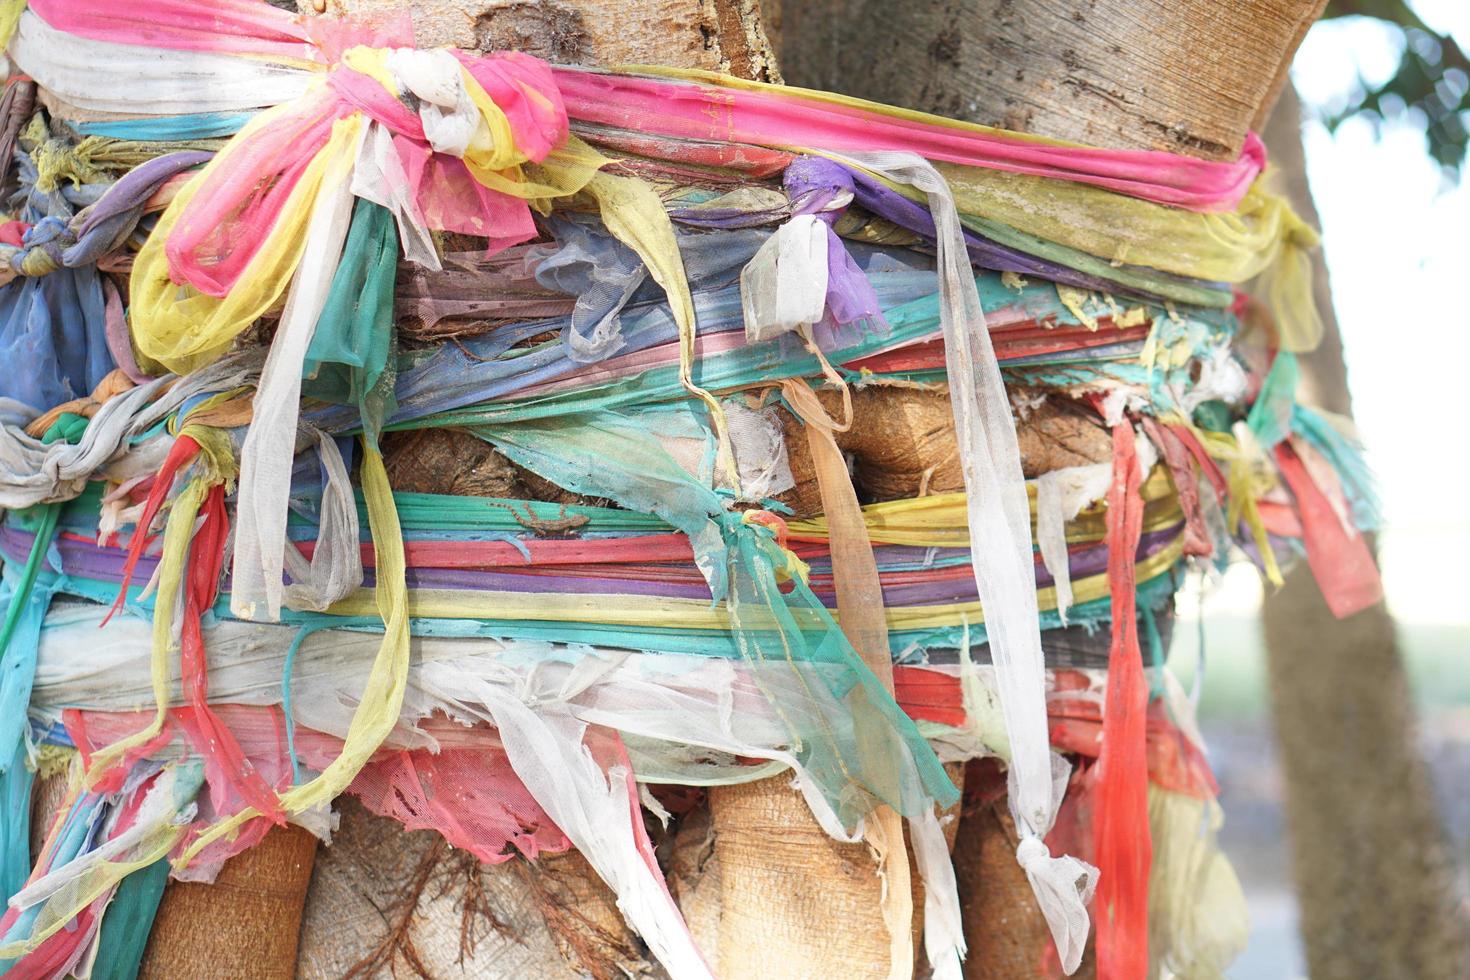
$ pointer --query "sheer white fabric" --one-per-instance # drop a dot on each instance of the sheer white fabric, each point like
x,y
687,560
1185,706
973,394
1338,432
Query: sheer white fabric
x,y
335,568
435,78
784,287
1000,534
1060,497
270,444
379,177
136,80
32,472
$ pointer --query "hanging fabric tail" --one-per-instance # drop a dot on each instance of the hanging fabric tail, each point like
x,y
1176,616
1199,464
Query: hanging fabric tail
x,y
217,744
999,521
635,215
127,923
16,780
178,532
1122,842
350,356
860,613
183,450
1340,558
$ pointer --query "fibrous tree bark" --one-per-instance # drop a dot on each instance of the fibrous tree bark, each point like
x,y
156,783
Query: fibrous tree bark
x,y
1370,859
715,35
1190,76
249,918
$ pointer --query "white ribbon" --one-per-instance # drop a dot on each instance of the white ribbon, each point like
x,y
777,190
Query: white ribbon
x,y
32,472
999,518
1060,497
136,80
379,177
543,740
270,444
783,288
335,569
452,123
944,931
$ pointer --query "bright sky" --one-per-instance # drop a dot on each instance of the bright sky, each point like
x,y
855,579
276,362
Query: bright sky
x,y
1397,241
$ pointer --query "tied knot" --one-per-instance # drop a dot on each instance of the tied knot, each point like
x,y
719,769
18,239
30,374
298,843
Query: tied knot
x,y
41,248
1033,854
1063,886
769,534
769,521
816,185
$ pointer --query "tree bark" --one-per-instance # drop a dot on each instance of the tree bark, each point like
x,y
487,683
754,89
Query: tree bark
x,y
793,901
248,920
1370,858
383,899
717,35
1190,76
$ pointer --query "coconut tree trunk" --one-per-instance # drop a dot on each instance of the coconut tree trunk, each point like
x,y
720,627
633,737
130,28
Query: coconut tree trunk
x,y
716,35
1191,76
1186,75
1371,862
248,921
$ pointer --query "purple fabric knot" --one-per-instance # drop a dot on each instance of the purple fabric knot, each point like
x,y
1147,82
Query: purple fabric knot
x,y
816,185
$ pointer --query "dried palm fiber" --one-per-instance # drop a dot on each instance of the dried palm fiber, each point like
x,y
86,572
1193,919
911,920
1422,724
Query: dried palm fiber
x,y
382,899
450,461
249,917
591,614
901,443
759,855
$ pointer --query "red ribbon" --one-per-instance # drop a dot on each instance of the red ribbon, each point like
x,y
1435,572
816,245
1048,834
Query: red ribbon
x,y
1340,560
1124,848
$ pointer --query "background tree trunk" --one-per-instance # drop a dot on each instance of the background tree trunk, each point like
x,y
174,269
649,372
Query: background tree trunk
x,y
1372,865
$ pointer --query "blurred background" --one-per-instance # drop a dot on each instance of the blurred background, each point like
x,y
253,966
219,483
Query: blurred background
x,y
1383,86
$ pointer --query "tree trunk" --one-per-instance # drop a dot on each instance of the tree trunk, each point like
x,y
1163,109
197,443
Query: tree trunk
x,y
716,35
790,896
1372,865
1190,76
248,921
383,899
1098,72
